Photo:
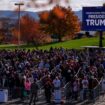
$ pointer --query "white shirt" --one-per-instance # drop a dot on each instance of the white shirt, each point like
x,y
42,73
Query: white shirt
x,y
85,83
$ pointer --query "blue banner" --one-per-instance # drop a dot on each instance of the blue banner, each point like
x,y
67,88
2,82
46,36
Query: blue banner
x,y
93,18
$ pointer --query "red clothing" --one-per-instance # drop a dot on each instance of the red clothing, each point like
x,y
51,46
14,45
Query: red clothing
x,y
27,85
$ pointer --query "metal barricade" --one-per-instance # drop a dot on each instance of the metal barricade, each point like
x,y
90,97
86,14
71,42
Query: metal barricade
x,y
41,85
97,90
67,90
92,94
68,87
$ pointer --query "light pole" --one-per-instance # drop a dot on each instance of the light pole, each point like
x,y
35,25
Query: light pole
x,y
100,39
19,5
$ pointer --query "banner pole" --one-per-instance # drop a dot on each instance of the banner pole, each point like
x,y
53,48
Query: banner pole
x,y
100,39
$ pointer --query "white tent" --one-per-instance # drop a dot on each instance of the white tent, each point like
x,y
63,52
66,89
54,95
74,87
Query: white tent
x,y
93,47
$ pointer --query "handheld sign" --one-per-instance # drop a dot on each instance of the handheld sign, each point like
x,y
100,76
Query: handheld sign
x,y
93,18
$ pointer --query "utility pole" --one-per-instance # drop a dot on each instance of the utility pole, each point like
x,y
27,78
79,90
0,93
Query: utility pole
x,y
100,39
19,37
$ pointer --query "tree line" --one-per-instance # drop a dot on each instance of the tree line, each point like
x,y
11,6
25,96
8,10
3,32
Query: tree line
x,y
59,23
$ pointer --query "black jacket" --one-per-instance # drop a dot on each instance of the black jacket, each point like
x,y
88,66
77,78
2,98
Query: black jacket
x,y
34,88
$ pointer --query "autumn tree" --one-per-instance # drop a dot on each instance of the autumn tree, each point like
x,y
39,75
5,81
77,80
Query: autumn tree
x,y
2,35
29,30
60,21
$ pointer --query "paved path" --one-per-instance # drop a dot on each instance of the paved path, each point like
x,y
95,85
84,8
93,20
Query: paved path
x,y
100,101
41,101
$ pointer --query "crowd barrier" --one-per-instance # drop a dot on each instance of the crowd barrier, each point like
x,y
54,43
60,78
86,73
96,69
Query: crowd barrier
x,y
40,83
97,90
92,94
68,88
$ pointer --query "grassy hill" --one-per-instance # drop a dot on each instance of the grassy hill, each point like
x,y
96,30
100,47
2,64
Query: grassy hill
x,y
67,44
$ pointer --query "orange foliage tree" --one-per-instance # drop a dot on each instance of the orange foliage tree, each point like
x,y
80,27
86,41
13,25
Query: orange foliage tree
x,y
2,35
29,31
60,21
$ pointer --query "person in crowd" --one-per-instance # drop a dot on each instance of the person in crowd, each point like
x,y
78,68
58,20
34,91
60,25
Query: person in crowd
x,y
33,92
93,82
85,84
27,85
48,90
75,89
22,88
103,84
57,90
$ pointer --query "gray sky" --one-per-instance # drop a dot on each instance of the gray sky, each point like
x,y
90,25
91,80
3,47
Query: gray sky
x,y
76,5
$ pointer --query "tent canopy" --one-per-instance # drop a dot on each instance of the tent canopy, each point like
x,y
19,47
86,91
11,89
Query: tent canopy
x,y
93,47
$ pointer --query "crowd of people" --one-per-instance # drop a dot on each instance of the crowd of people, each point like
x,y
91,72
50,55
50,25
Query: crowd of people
x,y
20,71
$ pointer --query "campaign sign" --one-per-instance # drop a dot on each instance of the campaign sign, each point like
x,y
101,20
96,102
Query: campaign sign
x,y
93,18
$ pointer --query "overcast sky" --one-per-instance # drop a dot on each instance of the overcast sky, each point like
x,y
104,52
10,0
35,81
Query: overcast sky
x,y
76,5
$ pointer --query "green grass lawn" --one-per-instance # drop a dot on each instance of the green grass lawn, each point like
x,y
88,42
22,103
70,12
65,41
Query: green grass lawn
x,y
67,44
